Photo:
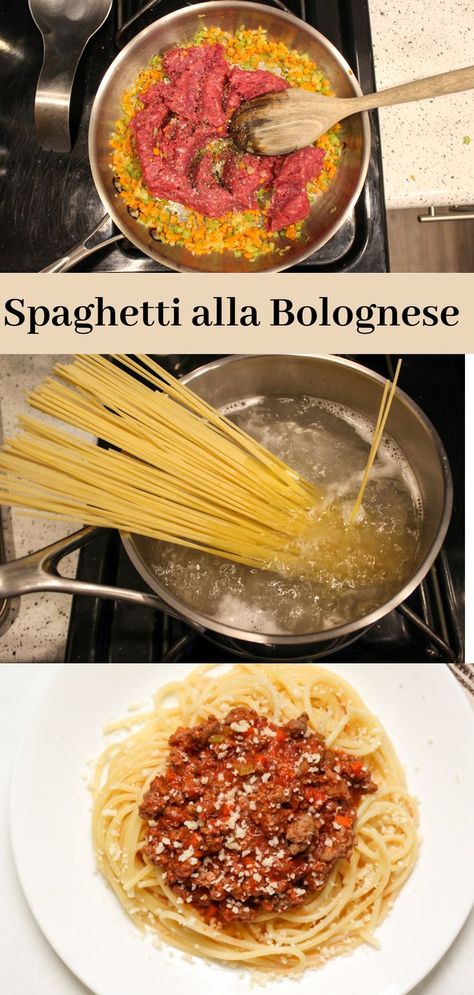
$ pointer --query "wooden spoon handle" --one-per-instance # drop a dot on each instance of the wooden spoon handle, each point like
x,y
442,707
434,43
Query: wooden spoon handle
x,y
420,89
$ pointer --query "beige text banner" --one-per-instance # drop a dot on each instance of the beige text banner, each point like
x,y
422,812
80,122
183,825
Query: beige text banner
x,y
376,313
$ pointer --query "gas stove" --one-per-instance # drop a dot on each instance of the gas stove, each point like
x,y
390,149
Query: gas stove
x,y
428,626
49,200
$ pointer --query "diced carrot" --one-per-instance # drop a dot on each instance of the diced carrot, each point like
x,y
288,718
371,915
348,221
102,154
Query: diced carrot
x,y
343,820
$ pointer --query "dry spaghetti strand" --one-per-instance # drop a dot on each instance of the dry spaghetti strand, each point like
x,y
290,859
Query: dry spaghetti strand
x,y
177,471
384,411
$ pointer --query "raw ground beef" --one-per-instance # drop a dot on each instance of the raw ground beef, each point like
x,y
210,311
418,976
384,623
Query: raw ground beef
x,y
245,84
290,201
183,117
243,175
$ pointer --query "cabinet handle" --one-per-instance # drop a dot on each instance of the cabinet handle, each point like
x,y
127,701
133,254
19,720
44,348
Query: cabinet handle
x,y
452,216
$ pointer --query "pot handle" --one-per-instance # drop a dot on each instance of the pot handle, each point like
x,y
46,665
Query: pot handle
x,y
39,572
82,250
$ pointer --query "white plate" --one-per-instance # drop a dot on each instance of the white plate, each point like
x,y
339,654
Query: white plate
x,y
430,722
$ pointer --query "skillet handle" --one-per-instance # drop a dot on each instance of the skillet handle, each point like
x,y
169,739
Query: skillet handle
x,y
82,250
39,572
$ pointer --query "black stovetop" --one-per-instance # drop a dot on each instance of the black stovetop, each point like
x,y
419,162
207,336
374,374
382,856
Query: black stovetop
x,y
49,202
115,632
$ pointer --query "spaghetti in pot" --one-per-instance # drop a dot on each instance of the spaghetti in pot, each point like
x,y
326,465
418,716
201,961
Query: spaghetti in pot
x,y
360,887
178,470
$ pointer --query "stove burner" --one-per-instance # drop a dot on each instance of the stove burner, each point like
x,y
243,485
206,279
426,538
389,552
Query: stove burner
x,y
429,625
124,33
49,200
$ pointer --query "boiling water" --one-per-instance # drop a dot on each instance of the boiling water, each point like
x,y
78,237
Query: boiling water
x,y
327,444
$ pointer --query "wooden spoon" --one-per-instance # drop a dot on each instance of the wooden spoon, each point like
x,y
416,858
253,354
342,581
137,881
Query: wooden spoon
x,y
278,123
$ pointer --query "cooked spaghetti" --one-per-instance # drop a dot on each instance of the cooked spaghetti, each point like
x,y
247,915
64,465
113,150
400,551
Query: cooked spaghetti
x,y
331,772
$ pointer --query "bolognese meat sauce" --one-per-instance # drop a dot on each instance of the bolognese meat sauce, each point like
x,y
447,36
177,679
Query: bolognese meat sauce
x,y
249,816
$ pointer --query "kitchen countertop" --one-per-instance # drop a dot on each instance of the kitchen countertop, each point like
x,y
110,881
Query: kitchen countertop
x,y
39,969
37,625
425,158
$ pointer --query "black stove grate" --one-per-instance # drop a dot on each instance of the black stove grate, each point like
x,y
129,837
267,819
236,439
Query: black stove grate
x,y
428,626
49,201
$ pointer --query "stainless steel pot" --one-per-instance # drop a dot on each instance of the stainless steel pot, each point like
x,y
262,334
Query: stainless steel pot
x,y
332,207
238,378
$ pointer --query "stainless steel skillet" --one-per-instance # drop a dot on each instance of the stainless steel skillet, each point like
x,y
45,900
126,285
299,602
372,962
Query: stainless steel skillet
x,y
332,207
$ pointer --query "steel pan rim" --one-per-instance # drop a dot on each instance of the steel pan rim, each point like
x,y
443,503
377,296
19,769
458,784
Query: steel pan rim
x,y
108,199
338,632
